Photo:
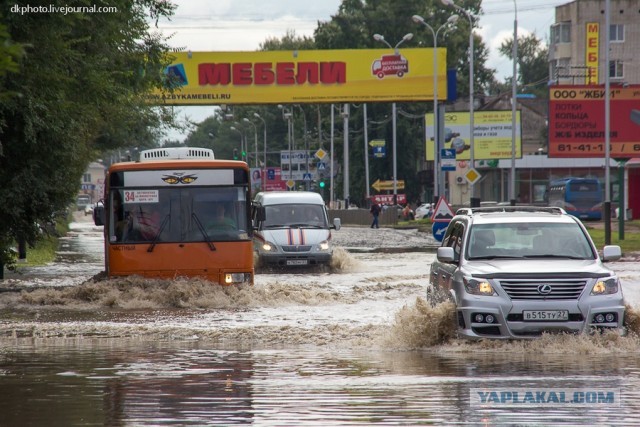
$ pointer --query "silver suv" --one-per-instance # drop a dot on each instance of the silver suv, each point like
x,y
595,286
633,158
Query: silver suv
x,y
516,272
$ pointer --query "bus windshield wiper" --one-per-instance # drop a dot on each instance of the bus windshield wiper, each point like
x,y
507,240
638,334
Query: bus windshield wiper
x,y
204,233
157,236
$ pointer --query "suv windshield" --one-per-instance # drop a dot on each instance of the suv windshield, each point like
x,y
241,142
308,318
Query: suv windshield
x,y
528,240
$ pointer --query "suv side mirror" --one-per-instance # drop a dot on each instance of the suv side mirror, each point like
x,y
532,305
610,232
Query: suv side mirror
x,y
445,254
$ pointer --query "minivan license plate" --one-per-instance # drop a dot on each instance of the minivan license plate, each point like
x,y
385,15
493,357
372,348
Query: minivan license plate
x,y
296,262
545,315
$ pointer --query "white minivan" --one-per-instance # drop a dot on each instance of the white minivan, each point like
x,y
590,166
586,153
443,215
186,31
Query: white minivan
x,y
291,229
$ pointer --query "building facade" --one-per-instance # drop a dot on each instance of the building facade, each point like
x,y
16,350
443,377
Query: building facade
x,y
576,57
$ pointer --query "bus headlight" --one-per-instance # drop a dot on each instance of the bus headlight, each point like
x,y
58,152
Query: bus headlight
x,y
605,287
236,278
478,287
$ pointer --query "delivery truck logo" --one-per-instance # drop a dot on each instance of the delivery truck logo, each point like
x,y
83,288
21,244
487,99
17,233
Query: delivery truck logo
x,y
390,65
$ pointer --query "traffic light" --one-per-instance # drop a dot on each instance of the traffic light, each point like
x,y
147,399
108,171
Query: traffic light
x,y
321,183
235,154
244,154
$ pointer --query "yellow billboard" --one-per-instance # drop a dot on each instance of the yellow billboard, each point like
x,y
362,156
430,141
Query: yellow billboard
x,y
304,76
492,134
592,52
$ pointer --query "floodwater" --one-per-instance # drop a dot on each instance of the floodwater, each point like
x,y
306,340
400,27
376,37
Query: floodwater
x,y
353,346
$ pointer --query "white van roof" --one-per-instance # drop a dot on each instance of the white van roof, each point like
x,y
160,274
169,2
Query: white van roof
x,y
287,197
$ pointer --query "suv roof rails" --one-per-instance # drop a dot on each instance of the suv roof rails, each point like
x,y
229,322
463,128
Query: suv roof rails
x,y
496,209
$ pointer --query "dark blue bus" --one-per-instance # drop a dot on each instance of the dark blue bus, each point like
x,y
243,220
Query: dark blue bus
x,y
580,197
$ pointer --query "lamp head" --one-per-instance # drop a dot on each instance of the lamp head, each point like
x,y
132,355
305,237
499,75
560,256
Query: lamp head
x,y
378,37
407,37
418,19
453,19
447,2
256,115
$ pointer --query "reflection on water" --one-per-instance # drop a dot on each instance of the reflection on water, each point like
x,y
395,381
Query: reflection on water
x,y
144,383
354,346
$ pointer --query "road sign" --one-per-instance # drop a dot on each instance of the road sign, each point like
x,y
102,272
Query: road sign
x,y
321,166
472,176
271,174
442,212
379,152
438,229
377,143
321,154
387,185
306,177
291,183
448,159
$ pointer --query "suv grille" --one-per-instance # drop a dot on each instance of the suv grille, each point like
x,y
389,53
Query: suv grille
x,y
528,290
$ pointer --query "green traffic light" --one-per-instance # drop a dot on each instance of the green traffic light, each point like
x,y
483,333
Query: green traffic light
x,y
321,184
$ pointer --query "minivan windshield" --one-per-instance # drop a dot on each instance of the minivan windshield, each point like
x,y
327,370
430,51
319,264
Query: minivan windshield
x,y
295,215
528,240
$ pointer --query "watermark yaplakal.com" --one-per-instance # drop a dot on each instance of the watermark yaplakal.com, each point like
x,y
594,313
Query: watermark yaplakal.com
x,y
62,9
499,397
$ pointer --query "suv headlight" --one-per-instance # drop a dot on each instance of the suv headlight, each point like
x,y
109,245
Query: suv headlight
x,y
605,286
478,287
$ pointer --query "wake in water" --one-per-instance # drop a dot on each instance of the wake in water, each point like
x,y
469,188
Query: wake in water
x,y
423,326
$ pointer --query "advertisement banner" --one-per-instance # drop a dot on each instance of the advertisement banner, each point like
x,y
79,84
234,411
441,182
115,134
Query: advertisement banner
x,y
304,76
577,121
492,135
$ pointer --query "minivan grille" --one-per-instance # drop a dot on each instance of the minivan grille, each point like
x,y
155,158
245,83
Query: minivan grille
x,y
527,290
296,248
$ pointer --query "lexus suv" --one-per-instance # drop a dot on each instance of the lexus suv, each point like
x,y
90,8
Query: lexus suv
x,y
518,272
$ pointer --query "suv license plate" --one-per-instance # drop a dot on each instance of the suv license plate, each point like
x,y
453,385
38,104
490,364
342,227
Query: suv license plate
x,y
297,262
533,315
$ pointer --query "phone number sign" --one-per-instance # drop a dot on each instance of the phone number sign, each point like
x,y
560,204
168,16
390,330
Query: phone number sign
x,y
577,121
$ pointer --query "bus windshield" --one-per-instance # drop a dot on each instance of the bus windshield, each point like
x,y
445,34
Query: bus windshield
x,y
178,214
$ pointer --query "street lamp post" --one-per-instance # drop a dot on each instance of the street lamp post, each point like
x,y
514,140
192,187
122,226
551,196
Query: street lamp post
x,y
514,94
264,154
438,180
380,38
255,134
306,143
288,116
473,201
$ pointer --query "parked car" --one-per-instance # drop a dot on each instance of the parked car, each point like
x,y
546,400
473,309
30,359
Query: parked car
x,y
520,271
425,210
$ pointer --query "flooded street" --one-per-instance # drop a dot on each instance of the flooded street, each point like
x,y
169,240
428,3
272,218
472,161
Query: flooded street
x,y
353,346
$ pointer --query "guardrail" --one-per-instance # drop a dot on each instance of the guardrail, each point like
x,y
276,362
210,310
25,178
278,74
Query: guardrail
x,y
363,216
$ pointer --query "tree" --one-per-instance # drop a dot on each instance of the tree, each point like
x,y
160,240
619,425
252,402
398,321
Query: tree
x,y
77,93
533,68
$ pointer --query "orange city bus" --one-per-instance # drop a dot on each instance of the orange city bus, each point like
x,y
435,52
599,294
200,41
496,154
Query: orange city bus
x,y
158,217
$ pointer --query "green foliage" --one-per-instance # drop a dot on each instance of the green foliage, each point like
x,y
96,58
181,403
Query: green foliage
x,y
533,68
77,92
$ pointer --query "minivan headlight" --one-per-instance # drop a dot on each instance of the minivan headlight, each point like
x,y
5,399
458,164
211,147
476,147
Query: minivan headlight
x,y
267,247
605,286
324,246
478,287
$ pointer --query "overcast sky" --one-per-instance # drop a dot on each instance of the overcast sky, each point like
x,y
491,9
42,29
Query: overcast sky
x,y
241,25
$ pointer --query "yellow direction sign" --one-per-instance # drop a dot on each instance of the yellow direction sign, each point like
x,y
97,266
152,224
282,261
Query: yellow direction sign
x,y
387,185
377,143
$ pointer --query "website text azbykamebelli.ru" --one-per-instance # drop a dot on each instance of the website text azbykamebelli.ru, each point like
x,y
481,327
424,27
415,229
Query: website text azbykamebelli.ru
x,y
62,9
